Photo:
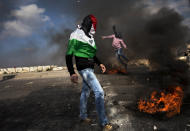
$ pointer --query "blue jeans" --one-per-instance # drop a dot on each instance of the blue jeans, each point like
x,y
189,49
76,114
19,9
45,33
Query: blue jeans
x,y
90,82
119,54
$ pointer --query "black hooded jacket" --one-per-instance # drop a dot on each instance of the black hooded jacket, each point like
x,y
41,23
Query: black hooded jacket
x,y
82,63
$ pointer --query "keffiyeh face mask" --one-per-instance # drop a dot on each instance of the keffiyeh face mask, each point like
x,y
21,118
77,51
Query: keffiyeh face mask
x,y
92,30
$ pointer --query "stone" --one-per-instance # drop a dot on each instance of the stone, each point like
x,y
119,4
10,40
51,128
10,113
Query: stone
x,y
5,71
155,128
113,111
35,68
64,68
40,68
143,62
11,70
31,69
53,66
18,69
1,72
29,83
57,68
46,68
25,69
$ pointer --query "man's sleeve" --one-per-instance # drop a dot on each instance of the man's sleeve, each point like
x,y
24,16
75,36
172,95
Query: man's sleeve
x,y
71,47
96,60
109,36
69,56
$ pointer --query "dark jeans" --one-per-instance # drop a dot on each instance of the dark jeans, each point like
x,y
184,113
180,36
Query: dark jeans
x,y
120,55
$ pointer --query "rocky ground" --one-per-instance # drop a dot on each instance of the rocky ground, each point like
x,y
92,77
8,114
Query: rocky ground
x,y
48,101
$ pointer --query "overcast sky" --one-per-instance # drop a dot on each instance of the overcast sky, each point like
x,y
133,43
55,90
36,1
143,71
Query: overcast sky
x,y
26,25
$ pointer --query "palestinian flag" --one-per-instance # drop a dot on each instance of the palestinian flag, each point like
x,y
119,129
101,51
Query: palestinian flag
x,y
81,45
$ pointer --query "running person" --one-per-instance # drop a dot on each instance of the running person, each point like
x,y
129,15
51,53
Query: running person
x,y
117,44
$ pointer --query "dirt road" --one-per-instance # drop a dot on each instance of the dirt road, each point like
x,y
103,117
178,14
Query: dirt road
x,y
48,101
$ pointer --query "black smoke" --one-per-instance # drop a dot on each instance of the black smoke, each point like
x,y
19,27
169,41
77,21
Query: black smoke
x,y
154,36
161,36
26,54
59,40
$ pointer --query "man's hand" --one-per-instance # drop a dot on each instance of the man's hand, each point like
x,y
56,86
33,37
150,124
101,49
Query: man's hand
x,y
74,78
102,37
103,68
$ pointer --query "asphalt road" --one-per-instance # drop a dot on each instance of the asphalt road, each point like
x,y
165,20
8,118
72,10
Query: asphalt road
x,y
48,101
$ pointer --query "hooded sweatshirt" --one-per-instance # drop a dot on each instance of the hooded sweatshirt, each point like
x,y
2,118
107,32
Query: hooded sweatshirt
x,y
83,47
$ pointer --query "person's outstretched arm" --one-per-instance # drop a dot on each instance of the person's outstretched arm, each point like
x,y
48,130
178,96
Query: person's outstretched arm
x,y
123,43
109,36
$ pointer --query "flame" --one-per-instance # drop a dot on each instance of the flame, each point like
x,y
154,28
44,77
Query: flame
x,y
116,71
113,71
169,102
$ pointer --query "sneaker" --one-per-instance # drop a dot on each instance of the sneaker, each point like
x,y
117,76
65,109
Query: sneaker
x,y
86,121
107,127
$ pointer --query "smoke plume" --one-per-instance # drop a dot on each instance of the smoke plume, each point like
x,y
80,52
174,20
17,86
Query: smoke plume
x,y
154,35
60,41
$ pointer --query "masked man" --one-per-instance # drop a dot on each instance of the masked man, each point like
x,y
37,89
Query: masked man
x,y
83,47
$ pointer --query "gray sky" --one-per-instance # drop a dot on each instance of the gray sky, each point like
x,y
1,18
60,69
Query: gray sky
x,y
35,32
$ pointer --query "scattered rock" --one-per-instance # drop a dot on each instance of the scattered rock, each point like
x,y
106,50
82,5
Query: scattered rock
x,y
57,68
53,85
11,70
104,87
108,83
46,68
35,68
5,71
40,68
31,69
29,83
25,69
155,128
1,72
113,111
18,70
